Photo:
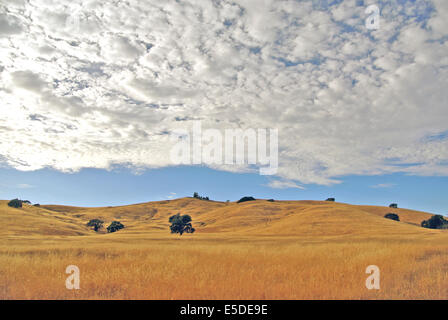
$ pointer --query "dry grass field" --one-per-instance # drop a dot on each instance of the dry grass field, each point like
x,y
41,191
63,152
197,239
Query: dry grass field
x,y
251,250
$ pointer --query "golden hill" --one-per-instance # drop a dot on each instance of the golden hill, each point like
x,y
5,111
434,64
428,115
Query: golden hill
x,y
280,218
251,250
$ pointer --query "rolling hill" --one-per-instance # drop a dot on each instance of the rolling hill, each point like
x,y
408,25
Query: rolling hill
x,y
280,218
251,250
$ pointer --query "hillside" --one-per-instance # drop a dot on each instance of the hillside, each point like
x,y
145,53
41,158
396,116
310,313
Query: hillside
x,y
30,220
260,217
251,250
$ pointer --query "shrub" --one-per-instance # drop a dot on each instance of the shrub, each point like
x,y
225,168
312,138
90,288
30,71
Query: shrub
x,y
331,199
435,222
96,224
15,203
36,205
271,200
115,226
244,199
393,205
181,224
392,216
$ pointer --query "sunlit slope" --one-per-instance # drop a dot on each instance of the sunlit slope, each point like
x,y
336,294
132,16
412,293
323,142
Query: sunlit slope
x,y
288,218
406,215
143,217
30,220
260,217
307,218
250,250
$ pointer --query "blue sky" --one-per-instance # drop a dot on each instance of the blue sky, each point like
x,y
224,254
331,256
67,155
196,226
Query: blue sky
x,y
96,187
361,113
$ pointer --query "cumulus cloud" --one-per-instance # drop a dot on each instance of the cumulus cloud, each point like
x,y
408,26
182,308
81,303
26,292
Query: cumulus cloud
x,y
101,83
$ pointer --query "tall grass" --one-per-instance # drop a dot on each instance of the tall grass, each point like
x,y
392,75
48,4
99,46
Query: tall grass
x,y
224,268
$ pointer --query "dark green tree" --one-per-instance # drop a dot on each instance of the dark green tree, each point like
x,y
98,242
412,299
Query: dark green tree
x,y
181,224
197,196
15,203
331,199
96,224
244,199
392,216
435,222
115,226
393,205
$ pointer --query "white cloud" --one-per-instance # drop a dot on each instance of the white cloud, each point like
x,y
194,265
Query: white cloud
x,y
171,195
9,25
109,91
284,184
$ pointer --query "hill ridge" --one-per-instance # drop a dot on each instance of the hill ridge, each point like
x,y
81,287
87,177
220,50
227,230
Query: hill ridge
x,y
258,217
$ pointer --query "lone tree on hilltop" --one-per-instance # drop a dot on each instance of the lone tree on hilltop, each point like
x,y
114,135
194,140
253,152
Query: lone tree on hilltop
x,y
393,205
392,216
331,199
181,224
435,222
244,199
115,226
15,203
96,224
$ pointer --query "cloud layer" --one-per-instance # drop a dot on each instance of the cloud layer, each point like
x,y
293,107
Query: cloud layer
x,y
99,83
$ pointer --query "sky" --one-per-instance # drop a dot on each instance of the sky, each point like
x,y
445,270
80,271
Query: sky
x,y
98,187
92,93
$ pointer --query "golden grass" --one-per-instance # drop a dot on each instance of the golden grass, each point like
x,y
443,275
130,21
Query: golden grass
x,y
288,250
